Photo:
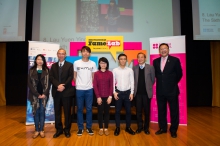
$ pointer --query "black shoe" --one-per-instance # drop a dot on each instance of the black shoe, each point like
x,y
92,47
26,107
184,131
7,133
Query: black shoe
x,y
173,135
139,130
89,130
146,131
57,134
161,131
67,134
79,133
130,131
117,131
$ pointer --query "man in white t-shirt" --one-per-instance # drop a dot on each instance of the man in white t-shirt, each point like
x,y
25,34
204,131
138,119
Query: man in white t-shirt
x,y
83,76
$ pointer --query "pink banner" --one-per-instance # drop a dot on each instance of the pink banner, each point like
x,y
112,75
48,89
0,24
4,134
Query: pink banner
x,y
182,96
76,46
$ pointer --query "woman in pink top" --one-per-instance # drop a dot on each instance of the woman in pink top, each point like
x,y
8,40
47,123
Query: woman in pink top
x,y
103,87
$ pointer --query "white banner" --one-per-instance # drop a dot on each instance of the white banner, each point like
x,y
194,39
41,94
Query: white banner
x,y
49,50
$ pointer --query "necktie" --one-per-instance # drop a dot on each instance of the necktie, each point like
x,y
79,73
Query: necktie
x,y
60,71
163,63
141,66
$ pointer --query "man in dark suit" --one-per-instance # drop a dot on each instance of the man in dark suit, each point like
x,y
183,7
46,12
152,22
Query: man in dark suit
x,y
61,76
144,77
168,73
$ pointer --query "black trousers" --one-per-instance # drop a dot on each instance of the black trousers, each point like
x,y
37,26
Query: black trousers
x,y
123,99
142,102
66,102
103,108
162,112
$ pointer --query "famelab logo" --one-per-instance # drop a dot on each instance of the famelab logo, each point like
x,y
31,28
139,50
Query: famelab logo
x,y
156,45
105,44
113,43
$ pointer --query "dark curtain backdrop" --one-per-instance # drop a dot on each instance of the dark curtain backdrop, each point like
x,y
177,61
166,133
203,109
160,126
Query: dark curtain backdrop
x,y
199,79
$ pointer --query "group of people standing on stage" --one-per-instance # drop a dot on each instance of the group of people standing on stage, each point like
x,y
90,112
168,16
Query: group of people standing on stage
x,y
124,83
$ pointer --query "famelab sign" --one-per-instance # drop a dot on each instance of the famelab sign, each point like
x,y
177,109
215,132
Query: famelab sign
x,y
105,44
177,49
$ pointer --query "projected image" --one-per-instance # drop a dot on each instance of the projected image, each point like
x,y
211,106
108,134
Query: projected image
x,y
104,16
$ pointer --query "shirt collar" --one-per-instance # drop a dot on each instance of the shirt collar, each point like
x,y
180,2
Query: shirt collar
x,y
142,65
62,62
122,68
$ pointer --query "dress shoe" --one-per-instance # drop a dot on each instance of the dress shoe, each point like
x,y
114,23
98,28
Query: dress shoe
x,y
146,131
161,131
117,131
173,135
130,131
67,134
57,134
139,130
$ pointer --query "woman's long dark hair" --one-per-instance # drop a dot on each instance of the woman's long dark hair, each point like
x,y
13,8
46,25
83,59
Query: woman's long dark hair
x,y
44,66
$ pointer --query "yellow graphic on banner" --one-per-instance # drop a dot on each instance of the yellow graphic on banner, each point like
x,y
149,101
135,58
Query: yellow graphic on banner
x,y
101,44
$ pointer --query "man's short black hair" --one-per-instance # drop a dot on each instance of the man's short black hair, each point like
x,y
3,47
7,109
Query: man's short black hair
x,y
122,55
164,44
86,48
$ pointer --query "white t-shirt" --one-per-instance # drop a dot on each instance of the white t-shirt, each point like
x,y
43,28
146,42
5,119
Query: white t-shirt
x,y
84,74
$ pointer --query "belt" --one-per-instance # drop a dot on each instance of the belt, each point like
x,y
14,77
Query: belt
x,y
122,91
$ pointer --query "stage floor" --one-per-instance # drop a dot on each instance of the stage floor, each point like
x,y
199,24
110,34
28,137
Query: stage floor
x,y
203,129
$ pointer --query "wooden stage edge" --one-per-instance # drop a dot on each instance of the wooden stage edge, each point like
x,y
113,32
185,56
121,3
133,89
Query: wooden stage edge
x,y
203,129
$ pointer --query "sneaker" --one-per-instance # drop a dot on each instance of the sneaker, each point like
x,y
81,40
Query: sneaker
x,y
42,135
79,133
101,132
89,130
36,133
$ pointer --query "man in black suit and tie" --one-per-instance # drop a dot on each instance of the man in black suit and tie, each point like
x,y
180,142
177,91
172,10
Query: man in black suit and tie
x,y
61,76
168,73
144,77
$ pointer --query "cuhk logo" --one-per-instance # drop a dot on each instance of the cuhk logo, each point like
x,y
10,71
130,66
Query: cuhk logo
x,y
155,46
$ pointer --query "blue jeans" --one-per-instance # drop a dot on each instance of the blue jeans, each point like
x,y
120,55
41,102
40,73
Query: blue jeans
x,y
39,117
87,96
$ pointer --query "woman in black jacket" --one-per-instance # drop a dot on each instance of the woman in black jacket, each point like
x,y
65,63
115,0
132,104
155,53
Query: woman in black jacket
x,y
39,86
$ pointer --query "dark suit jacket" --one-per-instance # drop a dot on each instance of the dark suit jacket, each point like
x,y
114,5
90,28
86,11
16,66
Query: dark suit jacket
x,y
167,81
66,78
149,78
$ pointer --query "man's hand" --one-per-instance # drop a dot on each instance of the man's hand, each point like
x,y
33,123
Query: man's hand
x,y
61,87
116,96
131,97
